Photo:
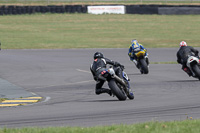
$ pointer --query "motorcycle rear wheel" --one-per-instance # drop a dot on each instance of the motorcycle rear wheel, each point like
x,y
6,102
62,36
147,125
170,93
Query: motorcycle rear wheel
x,y
116,91
196,70
144,67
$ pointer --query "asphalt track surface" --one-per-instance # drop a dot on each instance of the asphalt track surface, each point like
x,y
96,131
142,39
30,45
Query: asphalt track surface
x,y
63,79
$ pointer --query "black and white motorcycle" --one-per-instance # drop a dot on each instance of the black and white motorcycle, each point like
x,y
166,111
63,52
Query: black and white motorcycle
x,y
120,87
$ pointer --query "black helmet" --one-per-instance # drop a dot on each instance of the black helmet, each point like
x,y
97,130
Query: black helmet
x,y
98,55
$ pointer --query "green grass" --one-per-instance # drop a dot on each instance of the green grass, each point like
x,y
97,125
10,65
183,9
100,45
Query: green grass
x,y
186,126
2,99
93,2
171,62
58,31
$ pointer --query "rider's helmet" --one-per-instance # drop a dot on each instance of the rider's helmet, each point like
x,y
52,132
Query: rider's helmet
x,y
134,43
134,40
183,43
98,55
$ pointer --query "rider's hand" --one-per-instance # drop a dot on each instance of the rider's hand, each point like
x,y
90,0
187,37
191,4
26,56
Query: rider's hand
x,y
122,66
117,64
132,54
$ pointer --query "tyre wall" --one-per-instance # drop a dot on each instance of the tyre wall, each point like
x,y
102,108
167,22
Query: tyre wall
x,y
162,9
13,10
130,9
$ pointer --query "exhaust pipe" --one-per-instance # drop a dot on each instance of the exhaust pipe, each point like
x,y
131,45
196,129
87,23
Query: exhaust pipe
x,y
119,80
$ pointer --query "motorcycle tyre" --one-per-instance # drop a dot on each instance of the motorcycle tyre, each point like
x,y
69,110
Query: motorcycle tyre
x,y
196,70
116,91
144,67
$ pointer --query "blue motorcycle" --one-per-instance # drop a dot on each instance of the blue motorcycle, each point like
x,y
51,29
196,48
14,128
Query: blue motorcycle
x,y
120,87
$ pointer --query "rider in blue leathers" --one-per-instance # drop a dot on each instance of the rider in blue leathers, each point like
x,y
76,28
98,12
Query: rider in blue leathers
x,y
135,47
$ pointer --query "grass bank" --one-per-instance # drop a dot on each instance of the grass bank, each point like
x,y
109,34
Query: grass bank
x,y
171,62
2,99
97,2
92,2
186,126
58,31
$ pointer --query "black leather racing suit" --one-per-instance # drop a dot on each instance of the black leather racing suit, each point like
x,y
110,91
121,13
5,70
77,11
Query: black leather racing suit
x,y
97,67
183,54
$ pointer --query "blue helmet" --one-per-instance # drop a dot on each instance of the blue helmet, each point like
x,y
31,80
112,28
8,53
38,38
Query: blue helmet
x,y
135,43
134,40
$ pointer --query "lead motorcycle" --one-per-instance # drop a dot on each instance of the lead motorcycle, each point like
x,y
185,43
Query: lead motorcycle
x,y
120,87
142,60
193,63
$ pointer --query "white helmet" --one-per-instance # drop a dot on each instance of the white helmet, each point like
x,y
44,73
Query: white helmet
x,y
183,43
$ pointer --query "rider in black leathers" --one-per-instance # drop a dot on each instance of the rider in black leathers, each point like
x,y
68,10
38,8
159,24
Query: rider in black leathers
x,y
182,55
98,71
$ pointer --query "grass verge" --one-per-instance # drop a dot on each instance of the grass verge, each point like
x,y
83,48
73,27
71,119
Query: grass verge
x,y
171,62
99,2
2,99
61,31
186,126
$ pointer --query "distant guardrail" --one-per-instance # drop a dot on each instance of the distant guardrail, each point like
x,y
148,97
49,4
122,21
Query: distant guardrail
x,y
14,10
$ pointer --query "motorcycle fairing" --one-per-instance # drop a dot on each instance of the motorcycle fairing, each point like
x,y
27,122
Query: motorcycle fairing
x,y
140,53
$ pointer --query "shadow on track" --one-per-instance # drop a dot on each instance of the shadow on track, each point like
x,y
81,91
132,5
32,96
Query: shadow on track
x,y
134,74
92,101
184,81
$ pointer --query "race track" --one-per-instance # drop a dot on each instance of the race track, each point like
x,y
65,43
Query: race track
x,y
63,79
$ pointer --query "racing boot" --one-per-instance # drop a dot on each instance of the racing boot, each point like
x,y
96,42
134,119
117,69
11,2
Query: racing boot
x,y
141,71
136,63
103,90
187,71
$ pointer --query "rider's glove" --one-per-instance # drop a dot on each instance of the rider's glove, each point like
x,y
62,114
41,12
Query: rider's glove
x,y
122,66
117,64
131,54
196,54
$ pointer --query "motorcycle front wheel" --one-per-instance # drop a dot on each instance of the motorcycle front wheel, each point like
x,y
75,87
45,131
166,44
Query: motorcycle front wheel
x,y
130,95
129,92
116,91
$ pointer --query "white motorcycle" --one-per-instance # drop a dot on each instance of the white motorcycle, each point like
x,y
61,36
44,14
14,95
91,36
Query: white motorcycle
x,y
193,63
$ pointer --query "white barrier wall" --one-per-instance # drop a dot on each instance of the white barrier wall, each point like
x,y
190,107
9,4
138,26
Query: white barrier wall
x,y
106,9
